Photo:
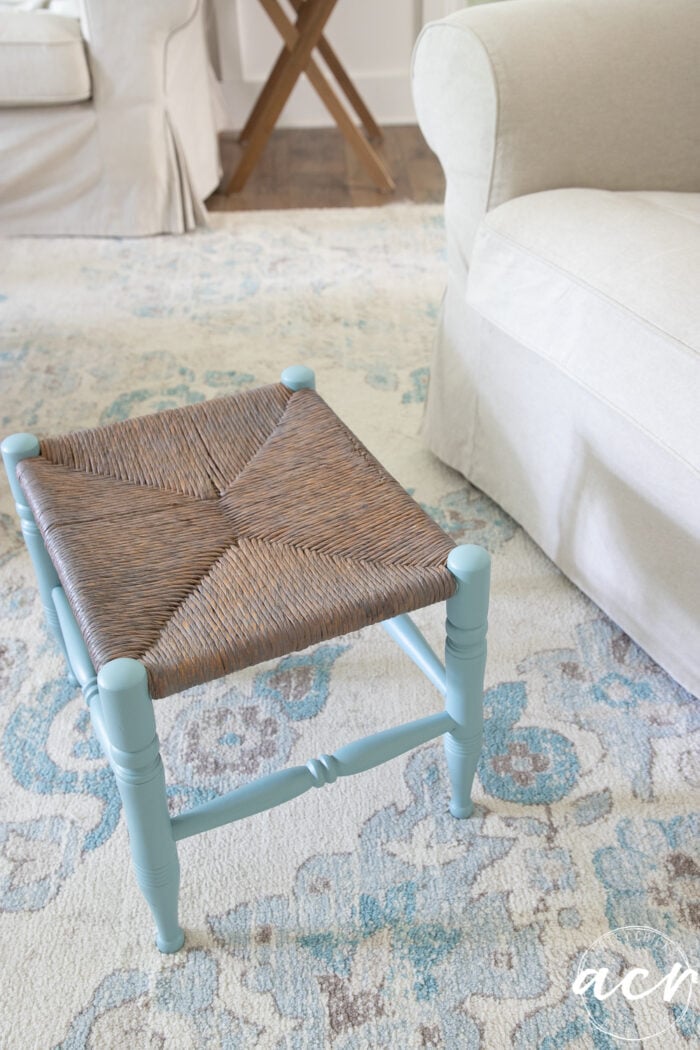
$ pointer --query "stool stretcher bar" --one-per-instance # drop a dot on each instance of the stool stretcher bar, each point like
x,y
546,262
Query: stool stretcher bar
x,y
286,784
403,630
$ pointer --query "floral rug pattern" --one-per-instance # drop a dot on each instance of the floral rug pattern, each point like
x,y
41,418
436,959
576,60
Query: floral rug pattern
x,y
362,915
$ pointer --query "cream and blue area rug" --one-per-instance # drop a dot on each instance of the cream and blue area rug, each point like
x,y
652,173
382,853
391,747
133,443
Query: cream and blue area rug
x,y
361,915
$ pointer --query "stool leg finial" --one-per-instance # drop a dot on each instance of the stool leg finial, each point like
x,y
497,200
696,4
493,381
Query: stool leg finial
x,y
14,449
465,661
298,377
129,723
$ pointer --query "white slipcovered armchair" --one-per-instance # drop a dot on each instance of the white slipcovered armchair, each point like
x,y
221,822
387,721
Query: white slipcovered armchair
x,y
108,121
566,378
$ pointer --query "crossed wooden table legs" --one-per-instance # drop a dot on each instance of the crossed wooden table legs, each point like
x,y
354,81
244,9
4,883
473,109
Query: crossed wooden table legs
x,y
300,39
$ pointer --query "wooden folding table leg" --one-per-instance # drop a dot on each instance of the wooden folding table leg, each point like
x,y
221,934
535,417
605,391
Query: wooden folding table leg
x,y
312,18
268,91
351,93
371,160
130,728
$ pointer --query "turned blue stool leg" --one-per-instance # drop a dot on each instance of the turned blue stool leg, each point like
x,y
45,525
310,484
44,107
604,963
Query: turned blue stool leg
x,y
129,723
14,449
465,660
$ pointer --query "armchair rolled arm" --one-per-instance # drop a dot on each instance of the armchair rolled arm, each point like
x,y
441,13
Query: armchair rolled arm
x,y
529,95
127,44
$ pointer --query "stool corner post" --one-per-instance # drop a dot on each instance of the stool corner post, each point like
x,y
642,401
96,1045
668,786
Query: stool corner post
x,y
465,663
298,377
126,704
129,723
16,448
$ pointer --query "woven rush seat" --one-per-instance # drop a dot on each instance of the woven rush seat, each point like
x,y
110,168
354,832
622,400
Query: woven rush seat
x,y
204,539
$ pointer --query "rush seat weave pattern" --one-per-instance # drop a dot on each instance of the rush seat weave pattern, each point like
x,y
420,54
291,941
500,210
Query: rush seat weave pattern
x,y
204,539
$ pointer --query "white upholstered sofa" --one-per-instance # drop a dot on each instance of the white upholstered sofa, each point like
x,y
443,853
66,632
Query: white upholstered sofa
x,y
108,120
566,377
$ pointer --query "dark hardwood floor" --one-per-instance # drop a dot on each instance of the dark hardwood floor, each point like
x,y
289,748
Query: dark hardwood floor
x,y
315,168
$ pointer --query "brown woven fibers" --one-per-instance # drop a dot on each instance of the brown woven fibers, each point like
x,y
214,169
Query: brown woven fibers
x,y
204,539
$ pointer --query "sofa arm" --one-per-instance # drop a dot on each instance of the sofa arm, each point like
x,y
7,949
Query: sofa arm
x,y
529,95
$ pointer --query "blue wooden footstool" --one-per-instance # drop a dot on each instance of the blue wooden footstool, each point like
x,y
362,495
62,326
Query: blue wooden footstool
x,y
178,547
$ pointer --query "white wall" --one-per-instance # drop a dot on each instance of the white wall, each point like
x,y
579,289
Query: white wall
x,y
373,39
